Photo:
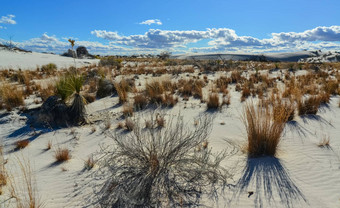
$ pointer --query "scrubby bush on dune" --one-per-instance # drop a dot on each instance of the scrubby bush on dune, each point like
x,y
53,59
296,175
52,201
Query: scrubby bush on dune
x,y
161,167
213,101
263,131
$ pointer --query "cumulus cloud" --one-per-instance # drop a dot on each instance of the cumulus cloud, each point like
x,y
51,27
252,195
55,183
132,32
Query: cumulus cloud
x,y
151,21
9,19
221,39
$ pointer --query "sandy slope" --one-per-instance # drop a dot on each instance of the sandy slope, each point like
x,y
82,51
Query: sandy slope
x,y
30,61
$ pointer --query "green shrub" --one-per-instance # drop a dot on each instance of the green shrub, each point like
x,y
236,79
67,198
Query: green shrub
x,y
49,68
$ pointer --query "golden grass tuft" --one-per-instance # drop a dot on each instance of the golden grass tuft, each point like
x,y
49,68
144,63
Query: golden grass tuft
x,y
263,132
324,142
21,144
309,106
213,101
11,96
89,163
62,154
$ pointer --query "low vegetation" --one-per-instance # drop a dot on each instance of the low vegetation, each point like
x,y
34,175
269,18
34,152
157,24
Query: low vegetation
x,y
158,167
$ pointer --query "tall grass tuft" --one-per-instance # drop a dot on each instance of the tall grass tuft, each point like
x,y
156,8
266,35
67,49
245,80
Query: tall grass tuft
x,y
11,96
263,132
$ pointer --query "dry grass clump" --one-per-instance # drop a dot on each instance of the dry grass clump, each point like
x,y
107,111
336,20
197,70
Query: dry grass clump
x,y
21,144
129,124
263,132
160,120
191,87
161,167
324,142
283,111
127,110
140,101
49,69
170,100
123,87
89,163
309,106
11,96
47,91
62,154
154,91
213,101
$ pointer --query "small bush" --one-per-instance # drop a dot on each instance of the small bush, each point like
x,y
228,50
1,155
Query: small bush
x,y
62,154
127,110
263,132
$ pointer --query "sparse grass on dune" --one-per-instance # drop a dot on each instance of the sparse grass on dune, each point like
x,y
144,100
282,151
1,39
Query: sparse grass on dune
x,y
263,132
309,106
213,101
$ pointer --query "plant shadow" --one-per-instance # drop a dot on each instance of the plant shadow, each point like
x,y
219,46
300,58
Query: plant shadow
x,y
271,182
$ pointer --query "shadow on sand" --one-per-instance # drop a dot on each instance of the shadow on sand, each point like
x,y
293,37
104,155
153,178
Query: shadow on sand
x,y
271,182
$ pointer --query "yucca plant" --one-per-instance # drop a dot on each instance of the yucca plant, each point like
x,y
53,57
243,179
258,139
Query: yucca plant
x,y
68,88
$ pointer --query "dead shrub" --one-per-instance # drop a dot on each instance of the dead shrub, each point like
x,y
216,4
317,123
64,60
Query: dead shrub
x,y
127,110
11,96
161,167
140,101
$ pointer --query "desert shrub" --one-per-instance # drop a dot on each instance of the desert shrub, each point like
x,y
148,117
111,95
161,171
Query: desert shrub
x,y
161,167
213,101
105,88
49,68
11,96
47,91
263,132
62,154
169,100
111,61
89,163
309,106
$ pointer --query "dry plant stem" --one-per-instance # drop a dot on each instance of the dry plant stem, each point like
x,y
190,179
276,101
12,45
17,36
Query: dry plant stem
x,y
25,192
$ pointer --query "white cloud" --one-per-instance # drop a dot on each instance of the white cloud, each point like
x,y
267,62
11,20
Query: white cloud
x,y
8,19
151,21
222,39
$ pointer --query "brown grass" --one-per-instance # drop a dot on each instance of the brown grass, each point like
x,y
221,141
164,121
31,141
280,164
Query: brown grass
x,y
3,174
11,96
263,132
309,106
127,110
62,154
49,145
213,101
22,144
140,101
129,124
89,163
160,121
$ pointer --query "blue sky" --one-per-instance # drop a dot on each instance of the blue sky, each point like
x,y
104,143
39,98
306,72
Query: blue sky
x,y
180,26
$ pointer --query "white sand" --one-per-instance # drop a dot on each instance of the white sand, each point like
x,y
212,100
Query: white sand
x,y
30,61
303,175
